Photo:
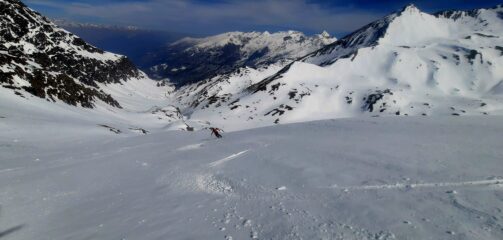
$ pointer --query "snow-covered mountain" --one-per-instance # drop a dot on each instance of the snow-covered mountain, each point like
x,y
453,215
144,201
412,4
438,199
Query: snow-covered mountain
x,y
194,59
408,63
39,58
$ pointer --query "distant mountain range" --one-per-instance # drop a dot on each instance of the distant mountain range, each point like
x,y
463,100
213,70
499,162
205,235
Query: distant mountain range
x,y
190,60
187,59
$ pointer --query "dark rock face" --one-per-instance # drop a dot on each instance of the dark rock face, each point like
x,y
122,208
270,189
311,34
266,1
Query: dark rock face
x,y
49,62
372,99
455,15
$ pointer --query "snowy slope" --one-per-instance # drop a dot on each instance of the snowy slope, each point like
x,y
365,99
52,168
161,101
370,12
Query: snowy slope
x,y
385,178
408,63
221,88
194,59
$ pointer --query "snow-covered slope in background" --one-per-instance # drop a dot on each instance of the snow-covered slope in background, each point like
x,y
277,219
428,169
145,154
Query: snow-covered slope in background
x,y
221,88
194,59
408,63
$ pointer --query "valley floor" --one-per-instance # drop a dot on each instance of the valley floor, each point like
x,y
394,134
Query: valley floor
x,y
367,178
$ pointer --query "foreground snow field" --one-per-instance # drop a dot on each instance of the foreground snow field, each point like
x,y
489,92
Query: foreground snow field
x,y
367,178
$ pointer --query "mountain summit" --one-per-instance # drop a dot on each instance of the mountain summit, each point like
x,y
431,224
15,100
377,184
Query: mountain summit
x,y
410,8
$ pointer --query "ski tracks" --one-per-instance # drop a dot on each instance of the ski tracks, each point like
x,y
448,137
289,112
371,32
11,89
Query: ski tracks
x,y
400,186
226,159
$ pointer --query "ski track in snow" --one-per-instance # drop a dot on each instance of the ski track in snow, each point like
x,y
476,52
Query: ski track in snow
x,y
9,170
480,183
224,160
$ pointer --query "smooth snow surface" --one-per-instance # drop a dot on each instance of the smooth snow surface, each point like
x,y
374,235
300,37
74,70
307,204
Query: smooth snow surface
x,y
367,178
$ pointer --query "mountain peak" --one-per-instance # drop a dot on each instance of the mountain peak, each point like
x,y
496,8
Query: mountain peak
x,y
325,34
410,8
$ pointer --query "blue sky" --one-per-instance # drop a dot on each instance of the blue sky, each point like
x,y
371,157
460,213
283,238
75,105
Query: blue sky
x,y
215,16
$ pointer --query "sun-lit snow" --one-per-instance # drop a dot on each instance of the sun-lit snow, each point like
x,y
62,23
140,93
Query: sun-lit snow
x,y
367,178
291,44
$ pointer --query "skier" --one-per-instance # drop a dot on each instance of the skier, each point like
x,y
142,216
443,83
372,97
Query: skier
x,y
216,132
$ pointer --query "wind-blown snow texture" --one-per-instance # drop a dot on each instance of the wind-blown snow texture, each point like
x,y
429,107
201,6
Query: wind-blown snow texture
x,y
375,178
408,63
